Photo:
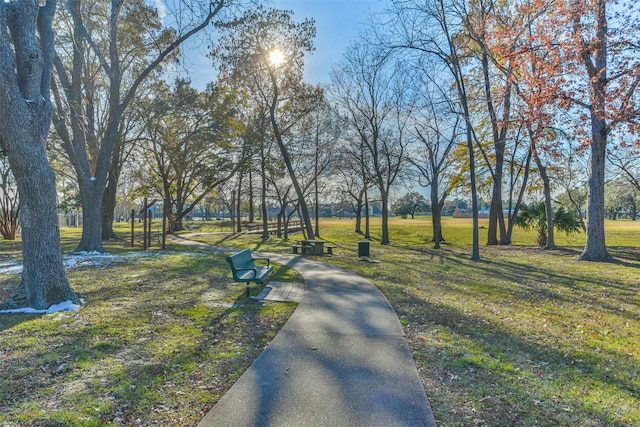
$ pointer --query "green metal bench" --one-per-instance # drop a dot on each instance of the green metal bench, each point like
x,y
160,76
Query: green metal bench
x,y
245,270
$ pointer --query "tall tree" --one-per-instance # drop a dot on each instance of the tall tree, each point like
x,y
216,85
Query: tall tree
x,y
112,48
433,29
26,63
437,135
265,51
599,49
317,137
191,145
373,92
352,181
258,135
479,24
531,71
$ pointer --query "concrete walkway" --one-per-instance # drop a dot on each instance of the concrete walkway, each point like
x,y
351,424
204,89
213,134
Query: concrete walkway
x,y
341,360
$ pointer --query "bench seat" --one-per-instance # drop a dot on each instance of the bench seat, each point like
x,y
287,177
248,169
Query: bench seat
x,y
329,248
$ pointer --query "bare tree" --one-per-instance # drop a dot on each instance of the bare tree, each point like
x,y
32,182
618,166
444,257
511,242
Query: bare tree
x,y
437,135
351,181
518,173
431,29
372,91
317,137
627,160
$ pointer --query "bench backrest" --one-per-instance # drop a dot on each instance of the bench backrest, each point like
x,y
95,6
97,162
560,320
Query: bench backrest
x,y
241,259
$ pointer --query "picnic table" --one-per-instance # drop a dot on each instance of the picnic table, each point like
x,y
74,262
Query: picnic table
x,y
313,247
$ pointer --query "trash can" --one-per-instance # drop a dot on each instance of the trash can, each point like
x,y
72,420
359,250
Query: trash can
x,y
363,249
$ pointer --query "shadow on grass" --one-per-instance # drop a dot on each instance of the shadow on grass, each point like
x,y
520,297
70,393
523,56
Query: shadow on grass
x,y
508,377
514,341
163,344
585,287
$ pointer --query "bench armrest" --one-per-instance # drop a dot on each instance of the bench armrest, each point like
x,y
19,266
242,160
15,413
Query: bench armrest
x,y
255,270
262,259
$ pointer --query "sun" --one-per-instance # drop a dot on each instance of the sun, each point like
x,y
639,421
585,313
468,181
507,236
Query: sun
x,y
276,57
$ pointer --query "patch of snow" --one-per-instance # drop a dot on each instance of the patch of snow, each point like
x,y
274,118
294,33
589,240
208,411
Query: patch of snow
x,y
55,308
94,259
11,268
87,253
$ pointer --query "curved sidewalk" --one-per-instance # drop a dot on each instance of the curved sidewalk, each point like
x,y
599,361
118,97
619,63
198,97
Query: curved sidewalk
x,y
341,360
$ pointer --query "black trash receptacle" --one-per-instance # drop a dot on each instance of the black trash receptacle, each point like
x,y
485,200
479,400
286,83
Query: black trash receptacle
x,y
363,248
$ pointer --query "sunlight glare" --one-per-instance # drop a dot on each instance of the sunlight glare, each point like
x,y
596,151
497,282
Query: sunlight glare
x,y
276,57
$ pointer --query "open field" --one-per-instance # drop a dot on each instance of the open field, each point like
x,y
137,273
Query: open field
x,y
524,337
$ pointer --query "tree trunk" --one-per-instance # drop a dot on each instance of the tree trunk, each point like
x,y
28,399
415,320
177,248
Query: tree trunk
x,y
367,216
109,198
91,193
108,210
303,208
239,202
44,281
43,278
358,213
170,219
232,211
385,218
316,191
496,217
317,208
252,215
513,210
550,242
595,248
436,214
279,220
263,197
475,250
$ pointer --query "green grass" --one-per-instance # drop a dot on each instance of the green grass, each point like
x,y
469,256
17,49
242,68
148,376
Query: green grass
x,y
525,337
159,341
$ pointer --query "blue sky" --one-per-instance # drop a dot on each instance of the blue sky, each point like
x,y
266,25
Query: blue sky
x,y
337,24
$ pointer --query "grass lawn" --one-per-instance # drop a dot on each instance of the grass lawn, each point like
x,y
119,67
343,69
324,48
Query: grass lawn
x,y
524,337
161,338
